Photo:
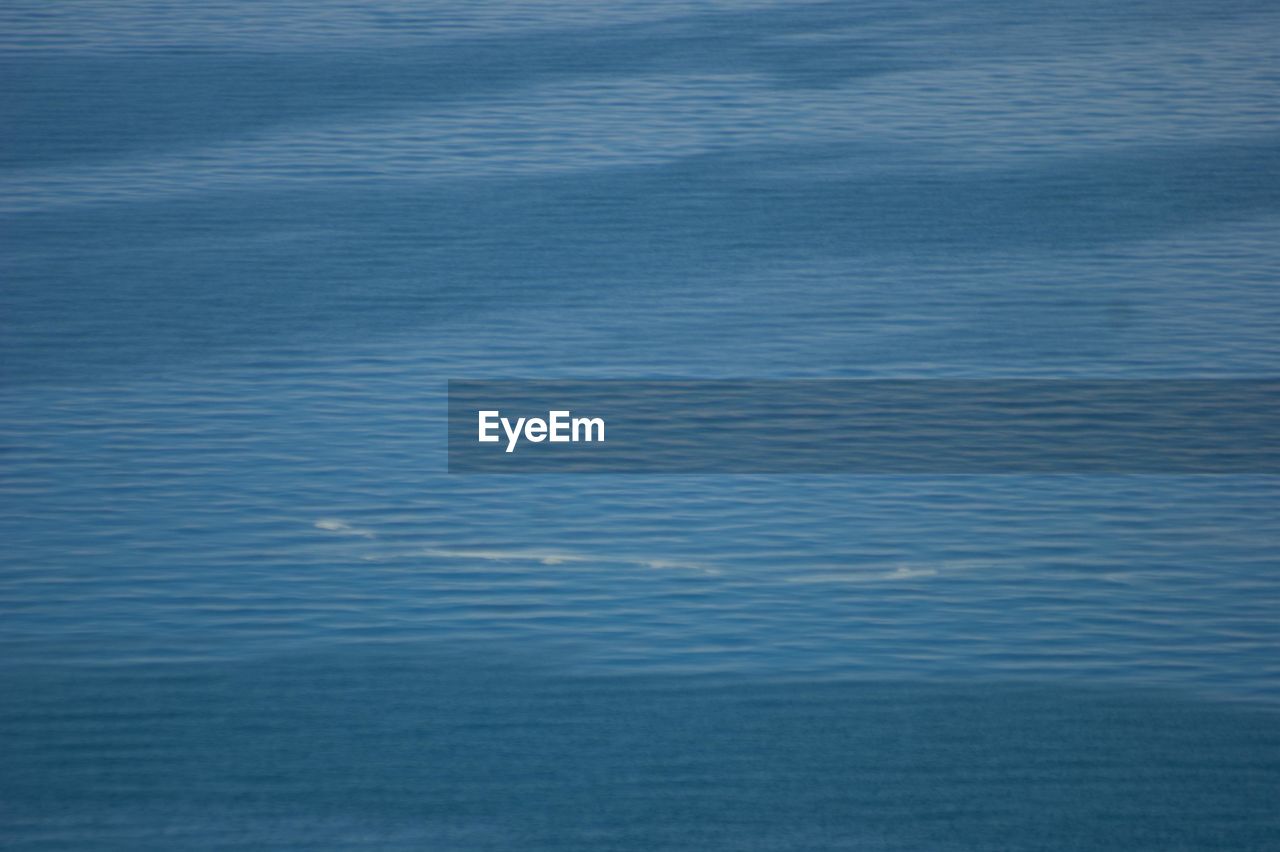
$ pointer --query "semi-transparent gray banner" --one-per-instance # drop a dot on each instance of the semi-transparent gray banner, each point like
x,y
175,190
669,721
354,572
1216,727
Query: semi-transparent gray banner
x,y
863,426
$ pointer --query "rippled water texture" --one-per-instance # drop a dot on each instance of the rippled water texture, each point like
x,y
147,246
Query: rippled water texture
x,y
245,244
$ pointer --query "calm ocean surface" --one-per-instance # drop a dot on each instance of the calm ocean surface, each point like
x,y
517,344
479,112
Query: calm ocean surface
x,y
245,245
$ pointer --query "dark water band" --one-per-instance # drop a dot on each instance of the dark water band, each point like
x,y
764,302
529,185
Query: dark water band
x,y
866,426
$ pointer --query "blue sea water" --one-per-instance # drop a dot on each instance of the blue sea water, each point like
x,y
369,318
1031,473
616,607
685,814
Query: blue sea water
x,y
245,245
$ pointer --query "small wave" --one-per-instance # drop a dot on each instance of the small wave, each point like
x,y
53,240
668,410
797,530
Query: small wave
x,y
551,557
337,525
